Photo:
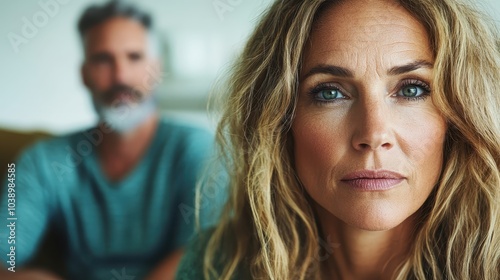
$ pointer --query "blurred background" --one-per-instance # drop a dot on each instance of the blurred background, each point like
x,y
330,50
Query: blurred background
x,y
40,75
41,85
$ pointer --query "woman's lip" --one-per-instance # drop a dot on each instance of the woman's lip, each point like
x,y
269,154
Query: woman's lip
x,y
372,174
373,180
372,184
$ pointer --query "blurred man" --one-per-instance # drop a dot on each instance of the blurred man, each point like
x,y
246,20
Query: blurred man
x,y
116,191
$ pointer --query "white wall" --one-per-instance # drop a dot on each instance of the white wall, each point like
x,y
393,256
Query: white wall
x,y
492,7
40,83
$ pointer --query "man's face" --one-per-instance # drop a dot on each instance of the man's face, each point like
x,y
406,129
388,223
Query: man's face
x,y
118,69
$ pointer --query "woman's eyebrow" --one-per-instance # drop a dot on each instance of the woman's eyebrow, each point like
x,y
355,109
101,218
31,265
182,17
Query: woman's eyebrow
x,y
398,70
346,73
329,69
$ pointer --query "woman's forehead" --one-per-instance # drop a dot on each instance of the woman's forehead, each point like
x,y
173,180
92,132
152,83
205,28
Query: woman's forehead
x,y
365,32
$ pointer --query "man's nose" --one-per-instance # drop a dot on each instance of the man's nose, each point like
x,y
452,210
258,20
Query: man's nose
x,y
121,72
372,125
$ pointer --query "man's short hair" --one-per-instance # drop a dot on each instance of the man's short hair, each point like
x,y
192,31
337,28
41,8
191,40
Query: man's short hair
x,y
97,14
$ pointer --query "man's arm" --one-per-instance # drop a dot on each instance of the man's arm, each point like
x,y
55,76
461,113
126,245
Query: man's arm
x,y
167,268
24,215
26,275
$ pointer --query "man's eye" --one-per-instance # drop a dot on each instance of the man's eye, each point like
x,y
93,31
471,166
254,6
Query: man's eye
x,y
101,59
135,56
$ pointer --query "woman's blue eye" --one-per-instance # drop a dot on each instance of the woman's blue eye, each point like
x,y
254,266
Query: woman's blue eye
x,y
412,91
330,94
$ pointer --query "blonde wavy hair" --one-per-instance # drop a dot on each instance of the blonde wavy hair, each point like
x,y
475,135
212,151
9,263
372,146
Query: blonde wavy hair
x,y
268,229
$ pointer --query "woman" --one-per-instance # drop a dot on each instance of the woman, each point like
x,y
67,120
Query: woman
x,y
363,142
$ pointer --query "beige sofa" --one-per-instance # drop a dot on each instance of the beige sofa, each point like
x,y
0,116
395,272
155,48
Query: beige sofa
x,y
13,143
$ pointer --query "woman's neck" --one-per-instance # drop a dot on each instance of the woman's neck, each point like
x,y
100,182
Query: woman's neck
x,y
361,254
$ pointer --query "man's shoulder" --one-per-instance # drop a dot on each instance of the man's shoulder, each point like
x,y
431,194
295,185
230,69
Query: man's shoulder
x,y
173,130
52,147
177,125
191,265
47,160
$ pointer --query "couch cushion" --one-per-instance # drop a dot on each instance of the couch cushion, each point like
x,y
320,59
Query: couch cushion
x,y
12,143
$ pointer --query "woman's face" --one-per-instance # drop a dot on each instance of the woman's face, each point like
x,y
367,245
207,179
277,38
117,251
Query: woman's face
x,y
368,141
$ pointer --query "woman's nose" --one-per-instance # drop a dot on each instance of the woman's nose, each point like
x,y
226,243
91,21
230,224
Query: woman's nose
x,y
372,123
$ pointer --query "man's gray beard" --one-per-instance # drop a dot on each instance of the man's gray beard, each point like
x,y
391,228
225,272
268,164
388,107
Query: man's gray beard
x,y
126,117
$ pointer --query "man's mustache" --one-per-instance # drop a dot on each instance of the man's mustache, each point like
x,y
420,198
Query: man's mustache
x,y
110,95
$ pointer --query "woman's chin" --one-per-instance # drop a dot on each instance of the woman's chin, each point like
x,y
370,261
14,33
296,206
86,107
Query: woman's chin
x,y
375,225
376,220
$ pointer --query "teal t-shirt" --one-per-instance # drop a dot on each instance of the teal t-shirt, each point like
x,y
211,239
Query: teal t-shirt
x,y
191,265
112,229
